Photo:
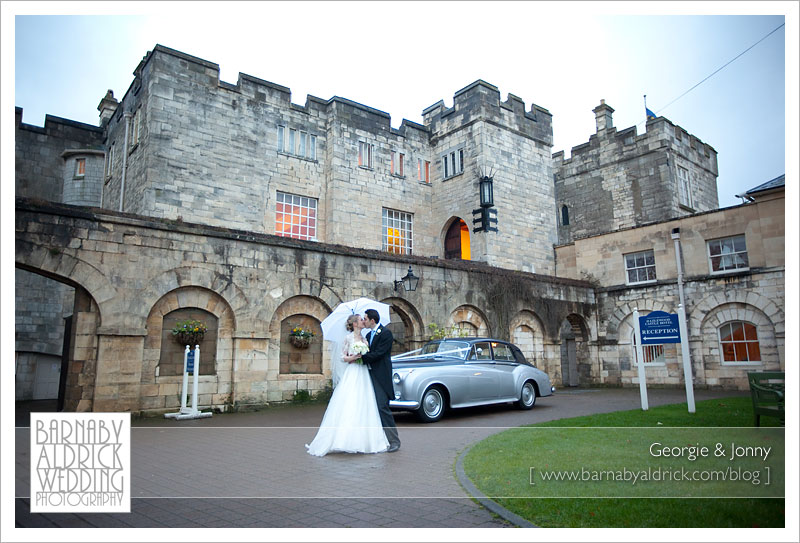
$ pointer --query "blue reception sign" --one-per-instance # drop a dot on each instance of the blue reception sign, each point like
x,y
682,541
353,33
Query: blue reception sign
x,y
660,327
190,362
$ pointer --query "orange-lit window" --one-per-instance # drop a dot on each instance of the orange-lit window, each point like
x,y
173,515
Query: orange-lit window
x,y
397,227
295,216
423,170
651,353
80,167
739,342
397,161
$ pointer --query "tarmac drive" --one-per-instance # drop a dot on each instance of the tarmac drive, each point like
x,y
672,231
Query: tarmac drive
x,y
251,469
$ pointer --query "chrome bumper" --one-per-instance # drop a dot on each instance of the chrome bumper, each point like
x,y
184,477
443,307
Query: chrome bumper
x,y
401,404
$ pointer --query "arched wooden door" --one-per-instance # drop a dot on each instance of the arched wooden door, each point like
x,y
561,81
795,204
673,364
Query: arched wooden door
x,y
456,241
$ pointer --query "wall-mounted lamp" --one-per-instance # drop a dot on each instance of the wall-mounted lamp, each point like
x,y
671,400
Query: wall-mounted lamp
x,y
409,281
487,191
485,216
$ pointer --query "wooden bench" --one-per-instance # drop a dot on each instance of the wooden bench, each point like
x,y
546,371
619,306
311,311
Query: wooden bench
x,y
767,389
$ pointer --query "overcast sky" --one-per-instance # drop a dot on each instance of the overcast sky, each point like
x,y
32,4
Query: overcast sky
x,y
402,57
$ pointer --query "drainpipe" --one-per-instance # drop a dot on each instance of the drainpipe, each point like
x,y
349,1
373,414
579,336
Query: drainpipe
x,y
127,116
684,328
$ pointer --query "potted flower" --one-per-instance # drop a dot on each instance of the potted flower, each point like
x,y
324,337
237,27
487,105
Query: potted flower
x,y
300,337
189,332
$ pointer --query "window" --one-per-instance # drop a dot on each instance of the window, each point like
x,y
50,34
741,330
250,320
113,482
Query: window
x,y
397,231
365,154
453,163
650,353
297,143
135,128
502,352
564,215
295,216
684,187
80,167
397,162
110,160
739,342
728,254
423,170
640,267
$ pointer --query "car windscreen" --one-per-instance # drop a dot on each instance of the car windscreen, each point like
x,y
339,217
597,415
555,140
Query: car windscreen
x,y
456,349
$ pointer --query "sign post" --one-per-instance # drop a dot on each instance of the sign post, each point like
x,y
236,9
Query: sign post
x,y
191,364
657,328
640,360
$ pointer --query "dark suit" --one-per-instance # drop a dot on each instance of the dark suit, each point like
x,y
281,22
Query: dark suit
x,y
379,361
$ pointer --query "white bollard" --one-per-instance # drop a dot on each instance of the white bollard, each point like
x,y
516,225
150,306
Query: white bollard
x,y
640,360
186,412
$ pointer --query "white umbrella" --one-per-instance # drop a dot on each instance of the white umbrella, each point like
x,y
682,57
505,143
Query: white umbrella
x,y
333,327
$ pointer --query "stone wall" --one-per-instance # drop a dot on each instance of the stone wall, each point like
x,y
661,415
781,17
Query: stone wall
x,y
620,180
208,152
135,270
754,295
39,167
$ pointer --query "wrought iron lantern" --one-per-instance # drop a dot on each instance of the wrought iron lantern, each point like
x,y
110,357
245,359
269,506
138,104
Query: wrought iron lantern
x,y
487,191
409,281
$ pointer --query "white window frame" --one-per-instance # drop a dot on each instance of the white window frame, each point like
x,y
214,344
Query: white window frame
x,y
366,154
397,163
735,255
135,128
305,204
78,174
653,354
403,223
297,143
684,188
423,170
747,362
640,266
110,160
453,163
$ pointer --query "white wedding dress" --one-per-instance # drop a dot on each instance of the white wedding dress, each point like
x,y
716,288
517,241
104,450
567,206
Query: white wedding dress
x,y
351,422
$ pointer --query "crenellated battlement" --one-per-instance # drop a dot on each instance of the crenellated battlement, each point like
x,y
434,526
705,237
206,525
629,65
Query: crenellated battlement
x,y
480,101
609,145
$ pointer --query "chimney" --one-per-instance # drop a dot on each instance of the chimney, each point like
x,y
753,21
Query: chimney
x,y
602,116
107,107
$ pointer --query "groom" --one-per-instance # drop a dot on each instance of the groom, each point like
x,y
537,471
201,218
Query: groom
x,y
379,362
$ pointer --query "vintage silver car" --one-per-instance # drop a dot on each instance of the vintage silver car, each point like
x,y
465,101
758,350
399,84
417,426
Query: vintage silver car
x,y
465,372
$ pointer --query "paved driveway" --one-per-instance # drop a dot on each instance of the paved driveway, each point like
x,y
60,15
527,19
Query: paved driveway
x,y
251,469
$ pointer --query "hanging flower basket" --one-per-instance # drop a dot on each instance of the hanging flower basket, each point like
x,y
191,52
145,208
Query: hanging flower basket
x,y
189,332
300,342
300,337
188,338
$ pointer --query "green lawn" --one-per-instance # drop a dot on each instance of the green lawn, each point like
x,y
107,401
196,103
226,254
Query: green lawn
x,y
500,466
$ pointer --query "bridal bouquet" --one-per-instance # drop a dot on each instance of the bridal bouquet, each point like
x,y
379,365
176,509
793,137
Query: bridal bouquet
x,y
359,348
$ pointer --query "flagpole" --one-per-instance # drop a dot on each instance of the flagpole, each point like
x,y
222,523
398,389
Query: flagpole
x,y
645,108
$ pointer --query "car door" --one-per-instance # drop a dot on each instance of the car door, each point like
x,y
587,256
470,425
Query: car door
x,y
483,382
505,364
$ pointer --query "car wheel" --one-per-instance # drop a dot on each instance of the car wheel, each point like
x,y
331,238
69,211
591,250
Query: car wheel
x,y
527,397
432,406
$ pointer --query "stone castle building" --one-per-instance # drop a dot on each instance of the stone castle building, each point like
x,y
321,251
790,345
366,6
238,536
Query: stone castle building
x,y
229,203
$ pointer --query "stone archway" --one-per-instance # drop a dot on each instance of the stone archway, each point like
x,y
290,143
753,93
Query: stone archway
x,y
457,240
575,360
469,317
161,387
527,332
290,369
406,325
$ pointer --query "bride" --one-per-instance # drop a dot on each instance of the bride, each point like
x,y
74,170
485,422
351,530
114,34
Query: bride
x,y
351,422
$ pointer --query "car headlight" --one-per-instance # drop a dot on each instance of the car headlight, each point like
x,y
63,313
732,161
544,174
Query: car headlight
x,y
396,378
